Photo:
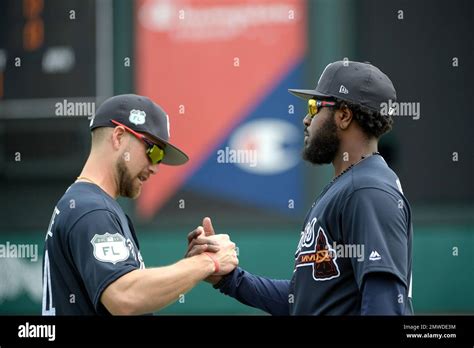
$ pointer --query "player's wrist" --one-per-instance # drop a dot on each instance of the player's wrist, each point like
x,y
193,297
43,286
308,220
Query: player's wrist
x,y
213,279
208,262
223,280
215,261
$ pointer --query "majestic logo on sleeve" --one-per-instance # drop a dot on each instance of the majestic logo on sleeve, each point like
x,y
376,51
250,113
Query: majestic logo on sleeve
x,y
110,247
316,252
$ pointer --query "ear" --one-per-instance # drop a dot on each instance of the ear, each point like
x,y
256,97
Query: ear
x,y
118,137
343,117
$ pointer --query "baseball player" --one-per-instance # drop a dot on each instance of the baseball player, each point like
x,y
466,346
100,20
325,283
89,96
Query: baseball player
x,y
362,208
92,262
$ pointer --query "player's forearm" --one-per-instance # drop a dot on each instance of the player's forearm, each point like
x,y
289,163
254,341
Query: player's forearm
x,y
149,290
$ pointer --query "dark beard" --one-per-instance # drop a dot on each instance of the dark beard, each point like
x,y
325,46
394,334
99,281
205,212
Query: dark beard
x,y
125,181
323,145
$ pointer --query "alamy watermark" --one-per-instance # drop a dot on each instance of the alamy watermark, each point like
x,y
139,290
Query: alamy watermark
x,y
19,251
229,155
410,109
68,108
28,330
353,251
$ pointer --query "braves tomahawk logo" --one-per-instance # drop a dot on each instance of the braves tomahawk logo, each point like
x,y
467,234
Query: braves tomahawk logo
x,y
317,253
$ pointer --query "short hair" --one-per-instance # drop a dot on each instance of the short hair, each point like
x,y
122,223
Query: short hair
x,y
99,134
373,123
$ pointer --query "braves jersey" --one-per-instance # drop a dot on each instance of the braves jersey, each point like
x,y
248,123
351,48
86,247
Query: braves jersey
x,y
89,244
360,225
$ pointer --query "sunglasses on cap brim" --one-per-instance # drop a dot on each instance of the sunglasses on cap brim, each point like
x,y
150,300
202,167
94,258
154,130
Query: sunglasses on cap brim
x,y
314,105
153,151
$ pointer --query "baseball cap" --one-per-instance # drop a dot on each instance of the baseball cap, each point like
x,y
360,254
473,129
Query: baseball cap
x,y
355,82
142,115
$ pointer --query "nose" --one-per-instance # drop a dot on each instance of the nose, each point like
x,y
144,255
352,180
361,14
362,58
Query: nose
x,y
307,120
153,168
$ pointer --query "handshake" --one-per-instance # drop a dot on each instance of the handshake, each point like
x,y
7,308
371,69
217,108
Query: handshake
x,y
218,247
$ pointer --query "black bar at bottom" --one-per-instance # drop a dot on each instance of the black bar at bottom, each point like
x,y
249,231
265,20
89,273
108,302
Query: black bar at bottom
x,y
417,330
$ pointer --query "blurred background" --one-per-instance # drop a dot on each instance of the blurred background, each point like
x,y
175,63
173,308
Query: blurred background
x,y
221,69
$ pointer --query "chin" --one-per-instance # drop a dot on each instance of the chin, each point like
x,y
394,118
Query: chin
x,y
137,193
134,192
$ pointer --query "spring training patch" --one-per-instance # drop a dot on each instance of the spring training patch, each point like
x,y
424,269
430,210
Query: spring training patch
x,y
110,247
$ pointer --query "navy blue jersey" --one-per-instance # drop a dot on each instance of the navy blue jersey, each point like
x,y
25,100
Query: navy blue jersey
x,y
89,244
359,227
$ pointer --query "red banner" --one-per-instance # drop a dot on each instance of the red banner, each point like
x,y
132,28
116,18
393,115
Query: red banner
x,y
207,63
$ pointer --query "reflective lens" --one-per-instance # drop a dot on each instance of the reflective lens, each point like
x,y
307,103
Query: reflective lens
x,y
155,153
314,105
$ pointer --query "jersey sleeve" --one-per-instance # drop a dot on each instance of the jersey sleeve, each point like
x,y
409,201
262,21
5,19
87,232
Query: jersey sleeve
x,y
377,220
269,295
383,294
100,252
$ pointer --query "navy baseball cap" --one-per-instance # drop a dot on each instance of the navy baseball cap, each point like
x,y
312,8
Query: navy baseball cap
x,y
354,82
142,115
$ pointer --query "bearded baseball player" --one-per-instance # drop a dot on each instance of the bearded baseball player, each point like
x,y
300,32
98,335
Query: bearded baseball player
x,y
362,208
92,263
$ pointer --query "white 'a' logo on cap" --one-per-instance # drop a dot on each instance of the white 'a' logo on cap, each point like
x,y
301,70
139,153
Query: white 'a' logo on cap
x,y
137,117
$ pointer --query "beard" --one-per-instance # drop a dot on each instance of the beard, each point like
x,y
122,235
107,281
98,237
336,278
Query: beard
x,y
127,185
323,145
